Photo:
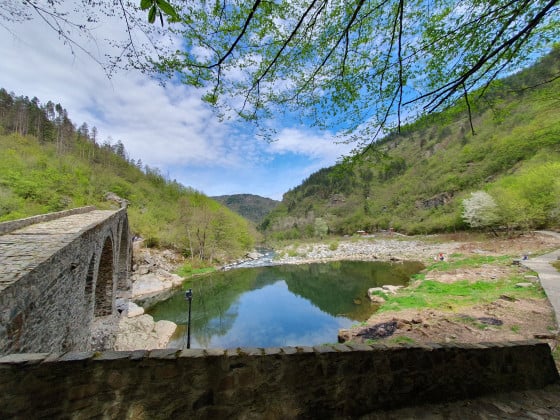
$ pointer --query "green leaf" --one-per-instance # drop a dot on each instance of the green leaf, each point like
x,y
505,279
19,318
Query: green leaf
x,y
145,4
152,14
167,9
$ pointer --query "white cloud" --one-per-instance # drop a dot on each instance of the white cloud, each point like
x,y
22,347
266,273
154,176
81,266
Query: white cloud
x,y
321,146
164,126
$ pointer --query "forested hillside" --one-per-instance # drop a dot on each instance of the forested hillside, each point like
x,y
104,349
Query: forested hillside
x,y
47,164
250,206
422,180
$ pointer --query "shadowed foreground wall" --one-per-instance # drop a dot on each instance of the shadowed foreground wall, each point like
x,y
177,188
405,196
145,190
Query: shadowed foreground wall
x,y
319,382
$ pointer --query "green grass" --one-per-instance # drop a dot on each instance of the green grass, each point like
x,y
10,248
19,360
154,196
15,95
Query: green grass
x,y
471,262
187,270
556,264
473,322
402,340
292,253
450,296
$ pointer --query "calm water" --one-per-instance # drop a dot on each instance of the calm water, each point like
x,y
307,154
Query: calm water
x,y
279,305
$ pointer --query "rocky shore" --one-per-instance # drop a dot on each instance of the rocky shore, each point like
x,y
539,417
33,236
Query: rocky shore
x,y
370,248
153,270
152,277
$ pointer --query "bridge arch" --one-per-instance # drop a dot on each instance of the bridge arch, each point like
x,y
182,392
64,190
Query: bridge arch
x,y
103,304
124,257
90,284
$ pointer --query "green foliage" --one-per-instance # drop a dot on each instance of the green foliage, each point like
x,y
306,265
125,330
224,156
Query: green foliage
x,y
416,182
190,270
450,296
530,198
251,207
39,176
333,246
321,228
353,65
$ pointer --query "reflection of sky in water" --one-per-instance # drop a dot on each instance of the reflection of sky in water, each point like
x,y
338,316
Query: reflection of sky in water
x,y
279,305
268,317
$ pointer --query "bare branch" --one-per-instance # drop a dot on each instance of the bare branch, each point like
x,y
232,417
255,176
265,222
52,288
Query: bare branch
x,y
401,82
466,96
234,44
443,93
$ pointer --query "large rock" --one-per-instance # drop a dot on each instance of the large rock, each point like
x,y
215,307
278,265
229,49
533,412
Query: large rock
x,y
152,283
377,299
254,255
391,289
134,310
142,332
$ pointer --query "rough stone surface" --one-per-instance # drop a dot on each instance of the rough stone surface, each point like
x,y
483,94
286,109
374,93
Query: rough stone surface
x,y
310,383
58,273
134,310
142,332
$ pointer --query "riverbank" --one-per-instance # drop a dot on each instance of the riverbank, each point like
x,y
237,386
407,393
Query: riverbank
x,y
521,318
387,247
447,302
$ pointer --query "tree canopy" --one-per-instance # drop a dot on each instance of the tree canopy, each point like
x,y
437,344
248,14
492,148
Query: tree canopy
x,y
365,65
358,67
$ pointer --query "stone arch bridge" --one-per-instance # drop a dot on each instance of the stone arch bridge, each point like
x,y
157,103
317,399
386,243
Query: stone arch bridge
x,y
60,273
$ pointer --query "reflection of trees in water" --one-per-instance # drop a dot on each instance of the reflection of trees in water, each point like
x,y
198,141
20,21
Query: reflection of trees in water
x,y
217,302
340,288
337,288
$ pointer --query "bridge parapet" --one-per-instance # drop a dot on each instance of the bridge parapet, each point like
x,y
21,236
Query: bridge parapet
x,y
12,225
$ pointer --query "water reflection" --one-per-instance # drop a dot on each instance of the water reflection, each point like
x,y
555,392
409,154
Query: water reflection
x,y
279,305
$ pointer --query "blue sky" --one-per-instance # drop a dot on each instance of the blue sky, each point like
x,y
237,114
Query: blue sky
x,y
166,127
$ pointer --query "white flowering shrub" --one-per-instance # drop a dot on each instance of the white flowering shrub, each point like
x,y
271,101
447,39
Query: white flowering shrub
x,y
480,210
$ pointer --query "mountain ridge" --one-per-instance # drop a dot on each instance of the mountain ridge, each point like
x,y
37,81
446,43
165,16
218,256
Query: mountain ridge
x,y
251,206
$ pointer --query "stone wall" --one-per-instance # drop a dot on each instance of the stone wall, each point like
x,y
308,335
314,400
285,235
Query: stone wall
x,y
292,382
12,225
65,270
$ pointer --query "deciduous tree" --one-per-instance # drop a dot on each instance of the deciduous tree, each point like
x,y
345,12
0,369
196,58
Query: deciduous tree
x,y
360,67
480,210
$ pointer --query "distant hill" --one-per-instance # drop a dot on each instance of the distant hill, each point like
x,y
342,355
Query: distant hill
x,y
48,165
250,206
416,181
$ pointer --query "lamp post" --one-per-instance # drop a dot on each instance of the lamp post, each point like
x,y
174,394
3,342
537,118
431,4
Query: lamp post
x,y
188,296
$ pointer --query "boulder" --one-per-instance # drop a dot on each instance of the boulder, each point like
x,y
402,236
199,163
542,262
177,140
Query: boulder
x,y
373,294
148,284
153,283
134,310
391,289
344,335
377,299
142,332
254,255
